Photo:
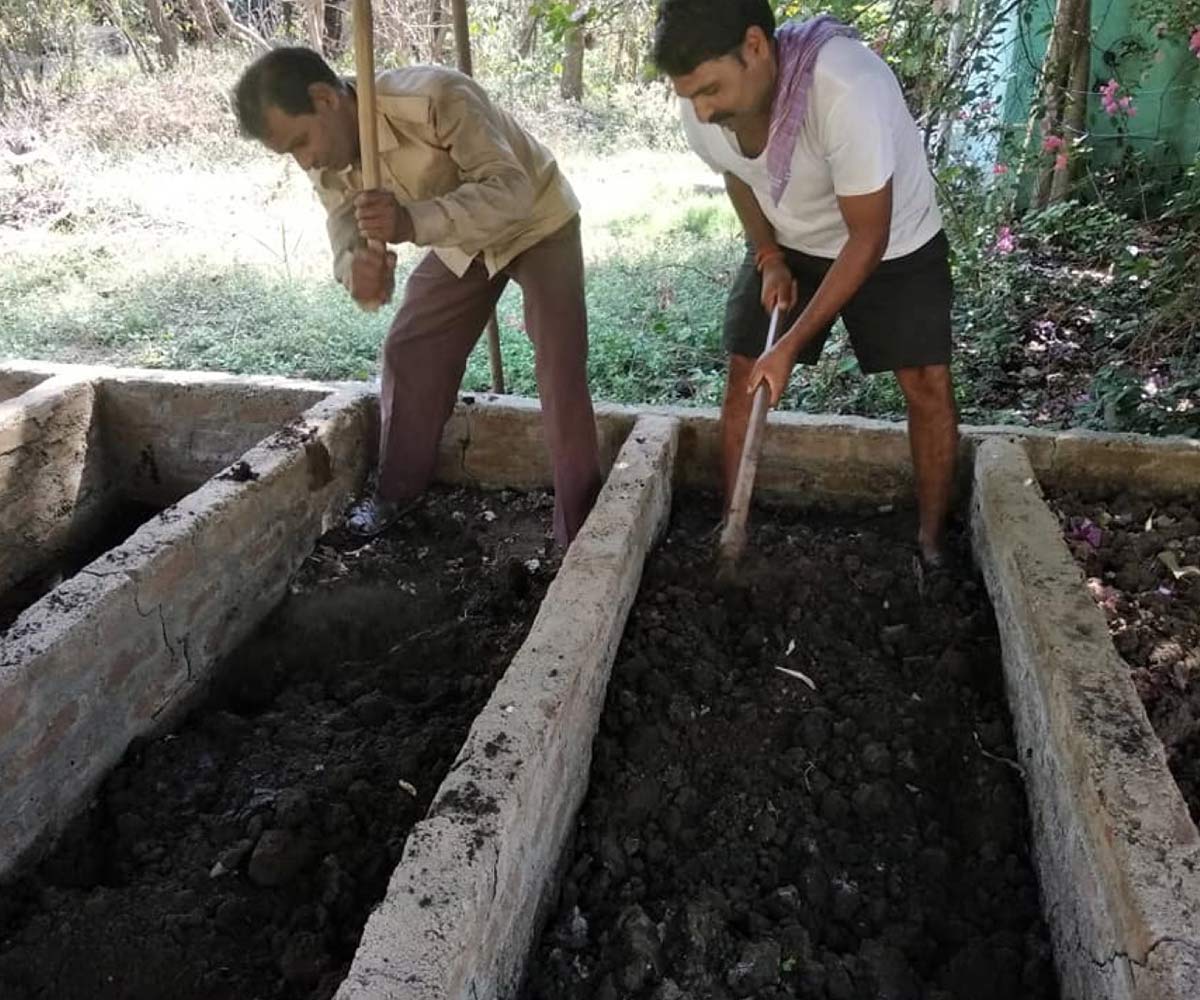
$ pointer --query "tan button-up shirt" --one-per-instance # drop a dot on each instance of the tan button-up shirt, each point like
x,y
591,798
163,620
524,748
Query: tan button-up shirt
x,y
472,179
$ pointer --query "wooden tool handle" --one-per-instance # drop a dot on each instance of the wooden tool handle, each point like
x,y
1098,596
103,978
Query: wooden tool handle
x,y
364,83
733,535
364,69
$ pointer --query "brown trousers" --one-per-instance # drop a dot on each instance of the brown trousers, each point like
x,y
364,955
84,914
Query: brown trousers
x,y
426,350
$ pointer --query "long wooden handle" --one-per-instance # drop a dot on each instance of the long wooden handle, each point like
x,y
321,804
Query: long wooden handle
x,y
364,70
733,535
364,83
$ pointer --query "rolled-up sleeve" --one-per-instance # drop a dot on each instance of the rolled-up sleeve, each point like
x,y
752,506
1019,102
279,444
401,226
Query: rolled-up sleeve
x,y
496,195
340,223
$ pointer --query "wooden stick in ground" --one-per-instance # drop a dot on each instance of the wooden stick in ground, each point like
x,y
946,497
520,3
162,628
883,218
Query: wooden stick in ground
x,y
733,535
364,83
462,45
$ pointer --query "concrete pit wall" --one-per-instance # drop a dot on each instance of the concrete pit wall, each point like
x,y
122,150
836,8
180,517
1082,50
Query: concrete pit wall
x,y
1118,855
118,649
463,906
54,482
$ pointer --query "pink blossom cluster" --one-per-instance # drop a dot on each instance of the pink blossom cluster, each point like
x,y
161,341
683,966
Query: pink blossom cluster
x,y
1052,143
1116,105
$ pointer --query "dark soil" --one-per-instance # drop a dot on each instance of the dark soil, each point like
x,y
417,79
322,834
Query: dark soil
x,y
123,521
240,856
747,836
1142,561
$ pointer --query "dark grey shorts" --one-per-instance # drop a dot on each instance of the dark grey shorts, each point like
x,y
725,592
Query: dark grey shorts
x,y
900,318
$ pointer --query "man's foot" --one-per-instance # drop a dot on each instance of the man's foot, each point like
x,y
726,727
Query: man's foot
x,y
372,516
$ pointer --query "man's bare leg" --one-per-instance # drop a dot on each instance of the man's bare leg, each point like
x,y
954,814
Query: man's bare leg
x,y
735,419
933,438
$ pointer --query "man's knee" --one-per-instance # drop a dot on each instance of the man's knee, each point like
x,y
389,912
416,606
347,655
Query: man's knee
x,y
927,388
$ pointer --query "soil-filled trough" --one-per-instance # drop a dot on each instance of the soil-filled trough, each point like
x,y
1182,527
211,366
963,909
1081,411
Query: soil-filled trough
x,y
490,865
240,854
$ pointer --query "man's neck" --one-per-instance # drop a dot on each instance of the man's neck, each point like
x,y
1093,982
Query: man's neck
x,y
753,130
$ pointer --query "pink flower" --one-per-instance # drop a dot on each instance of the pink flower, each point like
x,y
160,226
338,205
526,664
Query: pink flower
x,y
1000,169
1005,243
1060,161
1114,105
1194,41
1052,143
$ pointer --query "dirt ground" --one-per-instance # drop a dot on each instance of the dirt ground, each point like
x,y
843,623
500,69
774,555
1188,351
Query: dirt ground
x,y
238,857
1142,562
749,834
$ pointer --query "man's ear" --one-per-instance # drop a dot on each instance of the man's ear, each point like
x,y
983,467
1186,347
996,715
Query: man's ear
x,y
323,96
755,46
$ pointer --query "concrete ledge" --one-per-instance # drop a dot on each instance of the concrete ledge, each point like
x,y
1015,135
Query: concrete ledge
x,y
463,904
54,482
121,648
1118,855
808,458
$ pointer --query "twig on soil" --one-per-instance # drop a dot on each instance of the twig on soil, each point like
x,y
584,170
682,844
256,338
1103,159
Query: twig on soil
x,y
1000,760
799,676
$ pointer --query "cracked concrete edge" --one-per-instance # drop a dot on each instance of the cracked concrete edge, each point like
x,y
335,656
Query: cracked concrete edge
x,y
463,906
1118,854
21,369
815,457
119,650
49,495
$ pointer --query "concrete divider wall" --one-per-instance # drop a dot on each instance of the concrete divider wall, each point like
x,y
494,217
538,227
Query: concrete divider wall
x,y
814,459
121,648
462,907
54,478
1117,854
166,435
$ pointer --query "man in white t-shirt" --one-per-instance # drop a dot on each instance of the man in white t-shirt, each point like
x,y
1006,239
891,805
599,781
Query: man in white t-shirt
x,y
826,170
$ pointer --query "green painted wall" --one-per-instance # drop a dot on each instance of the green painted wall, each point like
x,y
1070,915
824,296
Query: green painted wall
x,y
1162,76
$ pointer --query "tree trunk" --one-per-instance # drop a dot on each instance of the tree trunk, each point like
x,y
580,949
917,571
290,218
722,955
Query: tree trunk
x,y
954,43
204,23
527,36
240,31
314,23
437,32
14,73
462,37
168,34
1075,108
572,73
1062,58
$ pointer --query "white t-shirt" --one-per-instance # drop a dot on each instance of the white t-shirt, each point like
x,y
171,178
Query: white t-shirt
x,y
856,134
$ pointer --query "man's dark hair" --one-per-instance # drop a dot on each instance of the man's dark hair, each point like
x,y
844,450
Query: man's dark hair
x,y
281,78
689,32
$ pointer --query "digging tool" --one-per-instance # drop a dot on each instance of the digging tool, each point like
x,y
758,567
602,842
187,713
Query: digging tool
x,y
462,43
364,79
368,136
733,535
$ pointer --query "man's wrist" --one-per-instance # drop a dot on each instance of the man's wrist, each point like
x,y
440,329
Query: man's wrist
x,y
405,230
766,254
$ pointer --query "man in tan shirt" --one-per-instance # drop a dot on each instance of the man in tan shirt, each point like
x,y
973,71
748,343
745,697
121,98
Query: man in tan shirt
x,y
462,177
